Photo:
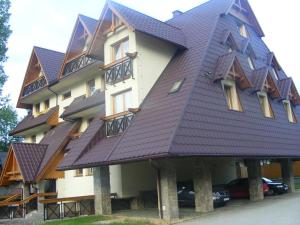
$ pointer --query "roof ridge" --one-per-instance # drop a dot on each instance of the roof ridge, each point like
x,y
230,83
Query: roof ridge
x,y
170,25
47,49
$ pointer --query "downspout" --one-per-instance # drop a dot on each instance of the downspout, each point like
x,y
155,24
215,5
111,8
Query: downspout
x,y
158,183
56,95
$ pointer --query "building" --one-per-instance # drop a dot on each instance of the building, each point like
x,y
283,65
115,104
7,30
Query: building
x,y
142,104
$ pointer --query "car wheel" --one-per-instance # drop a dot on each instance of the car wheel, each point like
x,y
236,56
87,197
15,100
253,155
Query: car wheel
x,y
270,192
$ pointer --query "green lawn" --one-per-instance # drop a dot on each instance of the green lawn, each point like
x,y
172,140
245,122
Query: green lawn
x,y
88,220
297,185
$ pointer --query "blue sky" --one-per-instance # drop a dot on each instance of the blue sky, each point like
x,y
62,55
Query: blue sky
x,y
49,23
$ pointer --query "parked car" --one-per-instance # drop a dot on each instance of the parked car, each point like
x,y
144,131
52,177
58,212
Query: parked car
x,y
186,195
275,187
239,188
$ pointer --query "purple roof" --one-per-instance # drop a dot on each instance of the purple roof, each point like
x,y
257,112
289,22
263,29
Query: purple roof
x,y
29,157
195,121
146,24
90,23
50,61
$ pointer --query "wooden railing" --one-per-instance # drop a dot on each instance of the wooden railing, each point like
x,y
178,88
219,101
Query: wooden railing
x,y
77,64
10,210
119,71
10,198
34,86
61,208
118,123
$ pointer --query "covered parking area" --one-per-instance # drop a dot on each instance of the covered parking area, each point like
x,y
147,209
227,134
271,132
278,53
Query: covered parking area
x,y
166,173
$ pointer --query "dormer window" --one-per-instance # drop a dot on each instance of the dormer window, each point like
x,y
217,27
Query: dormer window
x,y
231,95
243,30
120,49
251,63
265,105
289,111
91,87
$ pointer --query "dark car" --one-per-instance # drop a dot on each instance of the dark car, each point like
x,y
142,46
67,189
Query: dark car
x,y
239,188
275,187
186,195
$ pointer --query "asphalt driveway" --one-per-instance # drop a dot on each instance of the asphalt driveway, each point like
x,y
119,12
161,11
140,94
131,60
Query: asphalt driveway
x,y
275,210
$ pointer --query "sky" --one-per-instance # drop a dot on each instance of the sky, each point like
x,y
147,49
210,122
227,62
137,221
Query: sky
x,y
49,24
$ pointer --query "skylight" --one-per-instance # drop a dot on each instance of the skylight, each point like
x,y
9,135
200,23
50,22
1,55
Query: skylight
x,y
176,86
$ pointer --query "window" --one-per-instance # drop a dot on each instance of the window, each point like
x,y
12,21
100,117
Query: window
x,y
46,104
37,108
90,120
120,49
243,30
231,95
265,105
66,95
176,86
274,71
33,139
289,111
250,62
89,172
122,101
79,173
91,87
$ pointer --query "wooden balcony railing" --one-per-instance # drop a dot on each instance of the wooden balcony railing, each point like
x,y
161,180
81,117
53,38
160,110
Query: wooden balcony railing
x,y
77,64
34,86
118,123
119,71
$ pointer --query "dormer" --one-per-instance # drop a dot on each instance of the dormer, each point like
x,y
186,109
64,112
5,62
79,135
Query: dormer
x,y
42,70
229,41
229,68
263,81
76,54
289,91
245,15
272,62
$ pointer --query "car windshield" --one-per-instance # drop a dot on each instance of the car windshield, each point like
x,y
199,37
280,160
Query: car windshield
x,y
267,180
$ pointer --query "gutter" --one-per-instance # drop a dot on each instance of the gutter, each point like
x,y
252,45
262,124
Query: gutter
x,y
56,95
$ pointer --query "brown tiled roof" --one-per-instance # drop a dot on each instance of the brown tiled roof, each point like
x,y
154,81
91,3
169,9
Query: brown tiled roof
x,y
30,121
146,24
29,158
82,103
195,121
50,61
56,139
79,146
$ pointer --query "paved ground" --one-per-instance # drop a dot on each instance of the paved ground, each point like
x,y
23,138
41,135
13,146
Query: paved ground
x,y
276,210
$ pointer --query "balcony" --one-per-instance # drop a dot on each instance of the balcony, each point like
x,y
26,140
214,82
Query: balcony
x,y
119,72
77,64
118,123
34,86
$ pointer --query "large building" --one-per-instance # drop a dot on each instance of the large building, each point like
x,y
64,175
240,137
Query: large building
x,y
136,105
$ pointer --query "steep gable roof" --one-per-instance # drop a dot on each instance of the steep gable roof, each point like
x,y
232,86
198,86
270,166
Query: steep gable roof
x,y
261,77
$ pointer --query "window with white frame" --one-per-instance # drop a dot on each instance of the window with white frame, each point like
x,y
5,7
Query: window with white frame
x,y
265,105
274,71
231,95
251,63
122,101
120,49
289,111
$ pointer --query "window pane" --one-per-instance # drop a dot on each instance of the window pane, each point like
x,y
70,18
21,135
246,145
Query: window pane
x,y
125,47
251,64
232,97
128,100
118,103
91,87
118,51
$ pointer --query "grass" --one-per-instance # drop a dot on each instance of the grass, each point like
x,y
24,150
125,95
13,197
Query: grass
x,y
297,185
89,220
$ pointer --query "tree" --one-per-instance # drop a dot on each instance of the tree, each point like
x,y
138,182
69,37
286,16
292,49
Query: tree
x,y
8,121
4,34
8,115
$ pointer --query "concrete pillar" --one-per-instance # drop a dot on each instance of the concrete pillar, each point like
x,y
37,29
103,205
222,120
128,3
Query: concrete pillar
x,y
168,192
203,186
41,189
255,180
288,174
26,190
102,191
